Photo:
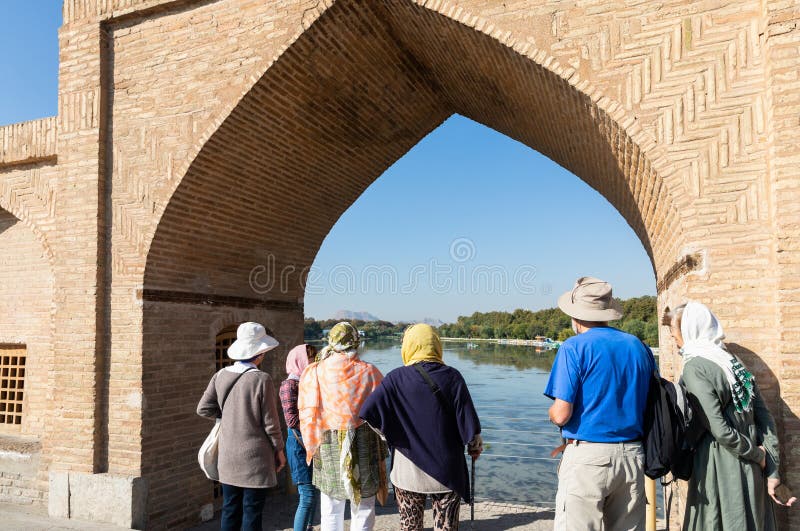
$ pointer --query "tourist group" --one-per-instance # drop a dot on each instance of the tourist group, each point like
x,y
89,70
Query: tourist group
x,y
345,419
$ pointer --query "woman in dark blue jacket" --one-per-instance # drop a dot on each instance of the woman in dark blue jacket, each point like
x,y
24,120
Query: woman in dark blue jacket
x,y
425,412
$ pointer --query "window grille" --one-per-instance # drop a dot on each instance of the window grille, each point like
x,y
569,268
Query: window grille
x,y
224,340
12,383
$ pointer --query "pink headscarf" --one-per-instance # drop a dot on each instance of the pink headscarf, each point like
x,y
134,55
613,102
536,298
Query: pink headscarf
x,y
297,360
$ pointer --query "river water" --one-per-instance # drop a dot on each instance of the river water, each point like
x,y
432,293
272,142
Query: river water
x,y
506,384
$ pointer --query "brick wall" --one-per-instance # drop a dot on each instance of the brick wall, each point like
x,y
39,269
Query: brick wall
x,y
26,304
191,134
28,142
783,94
21,489
179,361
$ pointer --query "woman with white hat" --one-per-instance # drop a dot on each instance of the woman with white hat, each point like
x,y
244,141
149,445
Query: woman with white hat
x,y
250,440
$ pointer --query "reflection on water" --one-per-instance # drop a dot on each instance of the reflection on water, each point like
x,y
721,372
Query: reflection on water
x,y
506,383
517,356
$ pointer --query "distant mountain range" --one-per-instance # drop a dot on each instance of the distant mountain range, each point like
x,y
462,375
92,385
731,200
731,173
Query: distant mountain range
x,y
349,315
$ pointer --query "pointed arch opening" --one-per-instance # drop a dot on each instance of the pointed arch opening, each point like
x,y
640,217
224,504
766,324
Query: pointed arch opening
x,y
357,90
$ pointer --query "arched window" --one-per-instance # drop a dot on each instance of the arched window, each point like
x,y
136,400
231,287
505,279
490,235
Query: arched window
x,y
224,339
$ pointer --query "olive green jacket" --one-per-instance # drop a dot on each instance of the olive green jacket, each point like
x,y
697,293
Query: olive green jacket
x,y
727,489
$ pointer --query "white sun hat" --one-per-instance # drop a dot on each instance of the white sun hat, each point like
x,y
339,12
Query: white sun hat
x,y
251,340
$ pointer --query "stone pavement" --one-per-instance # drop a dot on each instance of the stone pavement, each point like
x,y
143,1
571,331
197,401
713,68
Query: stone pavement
x,y
279,513
27,518
489,516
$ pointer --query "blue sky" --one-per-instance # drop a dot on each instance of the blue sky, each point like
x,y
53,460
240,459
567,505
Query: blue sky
x,y
514,212
29,62
469,220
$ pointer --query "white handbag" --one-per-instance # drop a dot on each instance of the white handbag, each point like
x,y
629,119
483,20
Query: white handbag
x,y
208,455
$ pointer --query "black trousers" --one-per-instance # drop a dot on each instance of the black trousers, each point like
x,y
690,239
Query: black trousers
x,y
242,508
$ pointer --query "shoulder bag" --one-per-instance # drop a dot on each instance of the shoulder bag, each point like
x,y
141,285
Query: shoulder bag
x,y
437,391
448,407
208,455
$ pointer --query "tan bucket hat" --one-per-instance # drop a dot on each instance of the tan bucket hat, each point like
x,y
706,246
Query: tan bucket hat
x,y
590,300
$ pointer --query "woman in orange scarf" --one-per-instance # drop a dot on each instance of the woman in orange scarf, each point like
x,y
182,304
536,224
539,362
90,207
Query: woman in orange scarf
x,y
348,456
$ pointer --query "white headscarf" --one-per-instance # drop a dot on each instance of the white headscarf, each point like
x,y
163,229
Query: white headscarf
x,y
702,338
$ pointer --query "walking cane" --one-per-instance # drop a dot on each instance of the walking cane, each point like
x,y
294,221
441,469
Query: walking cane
x,y
472,494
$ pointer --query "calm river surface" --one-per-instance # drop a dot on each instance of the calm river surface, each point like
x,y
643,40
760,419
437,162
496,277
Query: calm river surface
x,y
506,383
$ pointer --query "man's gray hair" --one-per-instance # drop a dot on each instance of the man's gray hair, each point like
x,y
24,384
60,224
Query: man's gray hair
x,y
673,316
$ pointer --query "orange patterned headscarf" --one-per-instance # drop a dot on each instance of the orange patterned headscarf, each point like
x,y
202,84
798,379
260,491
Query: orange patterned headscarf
x,y
331,394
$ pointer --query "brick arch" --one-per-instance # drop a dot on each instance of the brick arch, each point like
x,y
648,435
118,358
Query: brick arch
x,y
329,116
10,190
35,243
170,186
351,95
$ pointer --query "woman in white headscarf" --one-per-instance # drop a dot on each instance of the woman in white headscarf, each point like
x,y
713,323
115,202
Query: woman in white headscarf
x,y
737,458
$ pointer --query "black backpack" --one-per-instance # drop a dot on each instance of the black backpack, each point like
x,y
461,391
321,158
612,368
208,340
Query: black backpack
x,y
668,442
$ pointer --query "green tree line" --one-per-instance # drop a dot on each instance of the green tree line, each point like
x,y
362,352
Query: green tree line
x,y
312,329
639,318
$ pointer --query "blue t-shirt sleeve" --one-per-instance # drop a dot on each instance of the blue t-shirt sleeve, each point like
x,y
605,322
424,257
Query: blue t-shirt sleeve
x,y
651,359
564,376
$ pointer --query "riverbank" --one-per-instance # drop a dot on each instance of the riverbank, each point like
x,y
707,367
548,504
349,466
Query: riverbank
x,y
522,342
505,341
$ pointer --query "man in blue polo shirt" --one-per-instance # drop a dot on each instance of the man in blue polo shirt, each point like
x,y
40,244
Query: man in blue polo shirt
x,y
599,385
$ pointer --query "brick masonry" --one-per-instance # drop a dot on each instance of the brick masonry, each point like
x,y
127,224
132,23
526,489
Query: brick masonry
x,y
189,133
26,293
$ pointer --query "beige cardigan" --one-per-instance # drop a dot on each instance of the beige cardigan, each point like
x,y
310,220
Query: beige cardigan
x,y
250,432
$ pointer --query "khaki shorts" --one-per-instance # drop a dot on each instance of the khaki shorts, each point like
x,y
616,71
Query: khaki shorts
x,y
601,487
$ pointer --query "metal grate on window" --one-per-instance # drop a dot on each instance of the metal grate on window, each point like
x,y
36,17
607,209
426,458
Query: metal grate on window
x,y
12,383
224,340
